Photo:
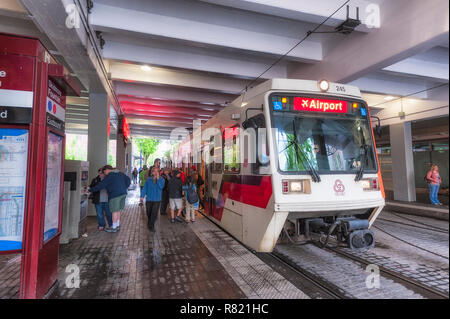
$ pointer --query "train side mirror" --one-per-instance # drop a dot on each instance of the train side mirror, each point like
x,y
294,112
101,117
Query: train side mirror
x,y
255,122
378,130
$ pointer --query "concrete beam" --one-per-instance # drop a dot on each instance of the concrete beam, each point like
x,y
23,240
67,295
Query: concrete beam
x,y
132,72
170,103
314,12
158,122
417,67
404,32
158,53
416,109
391,84
172,93
149,108
196,22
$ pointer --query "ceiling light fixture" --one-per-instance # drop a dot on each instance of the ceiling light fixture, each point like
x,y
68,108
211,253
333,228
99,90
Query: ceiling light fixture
x,y
388,98
145,68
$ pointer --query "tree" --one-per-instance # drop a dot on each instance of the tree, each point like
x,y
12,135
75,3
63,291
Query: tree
x,y
147,146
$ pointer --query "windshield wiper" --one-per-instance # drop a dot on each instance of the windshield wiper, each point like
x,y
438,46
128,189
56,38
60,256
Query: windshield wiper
x,y
314,174
363,152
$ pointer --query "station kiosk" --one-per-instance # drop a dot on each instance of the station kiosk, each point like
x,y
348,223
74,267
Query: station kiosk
x,y
33,90
74,216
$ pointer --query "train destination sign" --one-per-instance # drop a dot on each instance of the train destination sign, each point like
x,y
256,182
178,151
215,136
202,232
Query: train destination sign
x,y
319,105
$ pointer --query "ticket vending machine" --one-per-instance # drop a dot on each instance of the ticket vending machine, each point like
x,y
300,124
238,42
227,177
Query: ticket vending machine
x,y
33,90
74,218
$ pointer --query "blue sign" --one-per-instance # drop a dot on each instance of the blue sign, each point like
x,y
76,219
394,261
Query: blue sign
x,y
363,112
277,106
13,169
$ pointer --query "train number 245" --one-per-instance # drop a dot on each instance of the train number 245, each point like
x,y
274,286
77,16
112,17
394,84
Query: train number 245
x,y
340,88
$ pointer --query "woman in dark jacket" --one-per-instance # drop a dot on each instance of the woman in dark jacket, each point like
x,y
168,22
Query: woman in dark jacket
x,y
165,191
152,191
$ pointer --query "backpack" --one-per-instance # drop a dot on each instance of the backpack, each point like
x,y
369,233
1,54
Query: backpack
x,y
192,196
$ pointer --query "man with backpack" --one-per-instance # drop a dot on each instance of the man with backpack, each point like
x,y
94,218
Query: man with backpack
x,y
191,197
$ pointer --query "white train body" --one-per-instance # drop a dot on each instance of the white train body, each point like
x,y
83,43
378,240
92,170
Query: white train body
x,y
330,131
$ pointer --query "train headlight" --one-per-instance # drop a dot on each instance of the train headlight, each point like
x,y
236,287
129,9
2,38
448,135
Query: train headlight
x,y
370,184
324,85
301,186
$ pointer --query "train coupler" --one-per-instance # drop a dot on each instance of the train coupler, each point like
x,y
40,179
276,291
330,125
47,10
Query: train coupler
x,y
350,230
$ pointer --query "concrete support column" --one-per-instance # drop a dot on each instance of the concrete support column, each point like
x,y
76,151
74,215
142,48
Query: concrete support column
x,y
121,149
98,138
129,158
402,162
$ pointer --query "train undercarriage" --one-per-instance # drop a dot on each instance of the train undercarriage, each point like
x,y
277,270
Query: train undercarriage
x,y
351,231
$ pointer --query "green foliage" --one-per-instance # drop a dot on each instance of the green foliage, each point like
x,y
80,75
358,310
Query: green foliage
x,y
147,146
111,160
293,162
76,147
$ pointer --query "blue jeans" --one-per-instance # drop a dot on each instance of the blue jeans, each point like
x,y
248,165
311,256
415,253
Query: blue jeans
x,y
434,189
100,218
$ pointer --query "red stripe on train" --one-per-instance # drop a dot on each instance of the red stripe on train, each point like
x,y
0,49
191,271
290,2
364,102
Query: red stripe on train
x,y
253,195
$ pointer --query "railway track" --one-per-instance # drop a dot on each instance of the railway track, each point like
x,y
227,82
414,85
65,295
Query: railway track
x,y
322,287
419,287
427,227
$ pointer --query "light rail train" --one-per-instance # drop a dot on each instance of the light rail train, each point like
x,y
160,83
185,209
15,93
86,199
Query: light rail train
x,y
297,154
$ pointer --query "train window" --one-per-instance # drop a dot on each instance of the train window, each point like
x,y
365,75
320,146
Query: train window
x,y
215,153
261,165
231,156
329,144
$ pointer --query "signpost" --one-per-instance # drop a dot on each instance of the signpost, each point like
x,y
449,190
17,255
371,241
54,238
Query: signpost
x,y
33,89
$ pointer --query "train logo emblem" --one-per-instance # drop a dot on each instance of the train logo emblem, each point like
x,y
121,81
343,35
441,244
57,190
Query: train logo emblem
x,y
339,188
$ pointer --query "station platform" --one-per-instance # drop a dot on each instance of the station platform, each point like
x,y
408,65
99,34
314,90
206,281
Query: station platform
x,y
177,261
419,209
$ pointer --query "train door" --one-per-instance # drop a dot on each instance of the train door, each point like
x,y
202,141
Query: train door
x,y
207,198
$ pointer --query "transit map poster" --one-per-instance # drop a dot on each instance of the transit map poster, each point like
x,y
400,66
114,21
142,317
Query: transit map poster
x,y
53,188
13,177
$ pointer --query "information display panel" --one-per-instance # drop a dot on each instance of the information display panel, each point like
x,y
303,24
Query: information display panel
x,y
53,188
13,176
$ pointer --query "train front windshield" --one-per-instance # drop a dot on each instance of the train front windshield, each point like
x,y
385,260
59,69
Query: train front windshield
x,y
324,135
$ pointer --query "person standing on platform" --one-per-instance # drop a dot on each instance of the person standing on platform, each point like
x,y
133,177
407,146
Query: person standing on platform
x,y
175,196
434,182
100,200
135,175
191,198
152,191
165,192
116,183
199,183
142,177
157,164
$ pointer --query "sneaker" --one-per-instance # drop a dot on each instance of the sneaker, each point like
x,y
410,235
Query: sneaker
x,y
178,219
172,221
111,230
193,221
100,228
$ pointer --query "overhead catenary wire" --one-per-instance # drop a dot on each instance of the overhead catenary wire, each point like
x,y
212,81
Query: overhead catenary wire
x,y
291,49
410,94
